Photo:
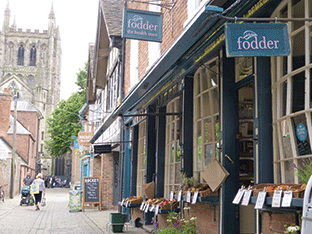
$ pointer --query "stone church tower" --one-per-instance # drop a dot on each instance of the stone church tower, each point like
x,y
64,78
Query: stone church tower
x,y
30,63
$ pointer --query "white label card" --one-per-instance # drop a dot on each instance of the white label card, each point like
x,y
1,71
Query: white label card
x,y
171,195
260,200
127,204
286,202
277,196
142,206
157,210
152,208
122,202
180,195
146,208
195,197
188,196
238,196
246,197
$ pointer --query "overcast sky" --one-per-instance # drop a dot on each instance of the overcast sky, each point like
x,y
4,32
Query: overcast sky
x,y
77,21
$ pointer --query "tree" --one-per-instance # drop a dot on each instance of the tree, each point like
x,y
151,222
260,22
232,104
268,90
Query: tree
x,y
63,122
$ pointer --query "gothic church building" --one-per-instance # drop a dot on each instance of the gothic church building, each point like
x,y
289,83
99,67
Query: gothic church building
x,y
30,63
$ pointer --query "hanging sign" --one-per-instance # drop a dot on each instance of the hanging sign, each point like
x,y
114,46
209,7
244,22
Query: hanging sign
x,y
256,39
142,25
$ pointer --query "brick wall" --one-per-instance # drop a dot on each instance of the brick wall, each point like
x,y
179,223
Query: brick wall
x,y
107,179
5,106
273,222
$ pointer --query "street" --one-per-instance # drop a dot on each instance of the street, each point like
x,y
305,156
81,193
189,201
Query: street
x,y
53,218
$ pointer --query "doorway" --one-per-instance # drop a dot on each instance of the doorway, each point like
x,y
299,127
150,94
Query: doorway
x,y
246,152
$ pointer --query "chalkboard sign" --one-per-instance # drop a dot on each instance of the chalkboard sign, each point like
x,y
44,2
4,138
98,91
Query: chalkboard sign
x,y
91,190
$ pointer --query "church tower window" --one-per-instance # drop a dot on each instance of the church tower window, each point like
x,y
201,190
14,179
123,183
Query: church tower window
x,y
20,56
32,60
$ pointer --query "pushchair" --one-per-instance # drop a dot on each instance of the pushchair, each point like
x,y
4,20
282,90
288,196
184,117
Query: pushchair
x,y
25,196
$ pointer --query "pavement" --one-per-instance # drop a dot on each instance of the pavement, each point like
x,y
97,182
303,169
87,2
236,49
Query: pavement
x,y
54,217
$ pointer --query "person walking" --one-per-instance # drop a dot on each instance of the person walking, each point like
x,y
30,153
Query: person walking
x,y
38,196
27,181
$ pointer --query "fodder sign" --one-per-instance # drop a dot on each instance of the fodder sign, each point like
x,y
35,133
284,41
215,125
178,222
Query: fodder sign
x,y
258,39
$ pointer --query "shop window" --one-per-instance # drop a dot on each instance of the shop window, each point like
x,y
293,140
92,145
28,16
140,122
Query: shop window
x,y
173,149
289,171
206,117
297,12
285,135
284,98
298,50
298,92
243,67
141,158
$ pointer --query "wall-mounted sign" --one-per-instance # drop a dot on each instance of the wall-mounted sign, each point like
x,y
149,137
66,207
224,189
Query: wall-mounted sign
x,y
301,132
142,25
84,138
102,149
256,39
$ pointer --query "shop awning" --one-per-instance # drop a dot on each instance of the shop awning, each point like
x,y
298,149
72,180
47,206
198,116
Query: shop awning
x,y
194,30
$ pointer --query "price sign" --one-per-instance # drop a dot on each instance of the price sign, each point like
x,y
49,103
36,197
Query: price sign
x,y
127,204
142,206
180,195
238,196
188,196
195,197
171,195
146,208
122,202
152,208
157,210
260,200
277,196
286,202
246,197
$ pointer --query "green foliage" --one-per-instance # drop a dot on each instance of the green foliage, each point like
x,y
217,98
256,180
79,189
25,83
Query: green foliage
x,y
178,224
82,78
304,170
63,122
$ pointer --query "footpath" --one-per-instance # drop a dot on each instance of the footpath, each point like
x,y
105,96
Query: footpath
x,y
54,217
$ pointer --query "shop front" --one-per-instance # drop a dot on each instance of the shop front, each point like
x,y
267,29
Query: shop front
x,y
250,113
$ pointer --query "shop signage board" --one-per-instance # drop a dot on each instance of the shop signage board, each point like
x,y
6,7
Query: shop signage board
x,y
91,191
75,200
102,149
142,25
256,39
84,138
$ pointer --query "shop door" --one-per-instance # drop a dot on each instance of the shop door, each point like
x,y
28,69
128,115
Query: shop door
x,y
246,152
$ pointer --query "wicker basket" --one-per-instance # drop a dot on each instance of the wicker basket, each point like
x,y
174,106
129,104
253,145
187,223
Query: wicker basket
x,y
260,187
169,206
208,193
136,201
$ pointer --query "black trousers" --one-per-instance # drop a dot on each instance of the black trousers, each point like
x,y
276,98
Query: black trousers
x,y
38,197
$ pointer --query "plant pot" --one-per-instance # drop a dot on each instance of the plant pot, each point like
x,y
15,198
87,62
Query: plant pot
x,y
117,228
117,218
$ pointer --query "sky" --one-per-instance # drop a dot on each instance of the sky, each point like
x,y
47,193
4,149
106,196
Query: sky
x,y
77,21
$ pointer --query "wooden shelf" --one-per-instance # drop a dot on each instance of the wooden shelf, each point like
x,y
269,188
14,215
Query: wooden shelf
x,y
295,202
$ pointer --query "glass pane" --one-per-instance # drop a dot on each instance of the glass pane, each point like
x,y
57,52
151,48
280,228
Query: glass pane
x,y
208,130
206,105
297,12
284,97
214,73
198,107
217,151
284,12
285,65
289,172
172,174
205,81
302,136
298,92
177,173
217,130
172,153
310,42
178,153
199,157
197,84
303,170
208,154
215,96
298,50
286,139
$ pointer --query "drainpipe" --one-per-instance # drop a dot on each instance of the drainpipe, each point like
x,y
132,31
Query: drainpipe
x,y
121,122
